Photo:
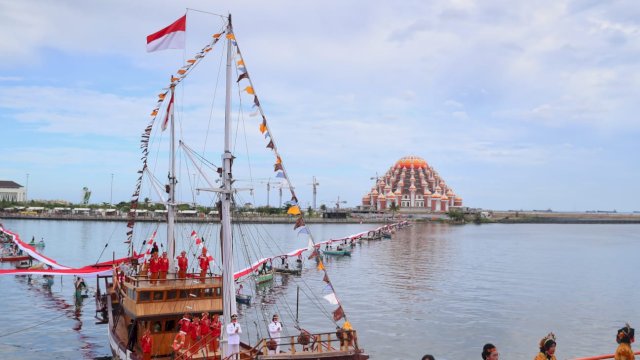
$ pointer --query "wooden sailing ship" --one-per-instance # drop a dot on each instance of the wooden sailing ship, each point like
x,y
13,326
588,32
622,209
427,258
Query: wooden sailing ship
x,y
132,302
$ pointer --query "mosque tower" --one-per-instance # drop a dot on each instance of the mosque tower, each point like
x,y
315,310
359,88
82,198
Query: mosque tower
x,y
411,184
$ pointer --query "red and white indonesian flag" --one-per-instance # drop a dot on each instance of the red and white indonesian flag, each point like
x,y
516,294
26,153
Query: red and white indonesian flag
x,y
171,37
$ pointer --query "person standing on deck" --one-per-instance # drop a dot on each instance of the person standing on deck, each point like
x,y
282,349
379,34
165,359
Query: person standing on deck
x,y
154,267
547,348
490,352
625,337
204,264
205,332
233,333
184,325
195,336
216,331
183,264
163,266
146,343
275,328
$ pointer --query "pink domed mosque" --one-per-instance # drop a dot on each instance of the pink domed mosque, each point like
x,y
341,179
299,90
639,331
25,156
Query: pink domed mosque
x,y
411,184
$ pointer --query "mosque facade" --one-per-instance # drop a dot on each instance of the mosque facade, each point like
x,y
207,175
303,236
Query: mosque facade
x,y
411,184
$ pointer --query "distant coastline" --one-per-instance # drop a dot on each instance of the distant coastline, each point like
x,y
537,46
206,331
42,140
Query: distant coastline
x,y
502,217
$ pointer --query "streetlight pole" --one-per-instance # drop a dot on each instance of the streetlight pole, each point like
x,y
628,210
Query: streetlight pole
x,y
111,195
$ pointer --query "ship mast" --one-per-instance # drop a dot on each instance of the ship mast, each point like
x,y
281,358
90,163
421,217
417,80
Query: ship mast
x,y
171,202
228,286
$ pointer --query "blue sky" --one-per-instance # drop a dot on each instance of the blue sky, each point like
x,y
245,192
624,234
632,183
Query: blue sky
x,y
517,105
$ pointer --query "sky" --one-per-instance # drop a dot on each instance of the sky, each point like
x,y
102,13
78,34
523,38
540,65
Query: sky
x,y
517,105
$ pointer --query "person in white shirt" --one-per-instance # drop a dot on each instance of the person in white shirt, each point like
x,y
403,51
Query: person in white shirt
x,y
233,334
275,327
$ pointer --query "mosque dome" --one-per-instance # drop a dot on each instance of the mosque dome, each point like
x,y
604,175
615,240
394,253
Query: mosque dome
x,y
407,161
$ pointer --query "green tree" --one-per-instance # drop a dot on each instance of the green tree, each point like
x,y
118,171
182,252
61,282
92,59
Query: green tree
x,y
456,215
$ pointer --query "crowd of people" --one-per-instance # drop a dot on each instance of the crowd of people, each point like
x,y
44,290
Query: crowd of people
x,y
547,347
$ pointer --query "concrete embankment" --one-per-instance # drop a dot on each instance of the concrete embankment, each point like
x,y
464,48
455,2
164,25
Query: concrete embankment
x,y
564,217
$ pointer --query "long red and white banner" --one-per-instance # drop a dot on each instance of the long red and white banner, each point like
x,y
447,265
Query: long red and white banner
x,y
106,268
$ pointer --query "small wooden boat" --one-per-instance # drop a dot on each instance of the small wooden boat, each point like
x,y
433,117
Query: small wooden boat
x,y
386,235
243,299
288,271
14,258
264,277
337,252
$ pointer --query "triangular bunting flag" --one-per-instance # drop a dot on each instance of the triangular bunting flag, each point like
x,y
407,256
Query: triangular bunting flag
x,y
249,90
299,223
294,210
331,298
263,127
242,76
277,167
325,278
320,266
338,314
270,145
303,230
280,174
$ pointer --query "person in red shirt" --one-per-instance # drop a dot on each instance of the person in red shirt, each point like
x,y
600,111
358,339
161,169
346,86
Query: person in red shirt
x,y
146,343
154,267
194,335
204,264
163,266
179,341
216,331
205,331
183,263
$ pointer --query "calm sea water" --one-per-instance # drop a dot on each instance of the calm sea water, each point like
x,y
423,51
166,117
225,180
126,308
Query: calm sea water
x,y
433,288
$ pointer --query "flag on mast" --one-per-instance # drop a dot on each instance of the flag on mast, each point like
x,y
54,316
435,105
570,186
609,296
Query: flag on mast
x,y
169,112
171,37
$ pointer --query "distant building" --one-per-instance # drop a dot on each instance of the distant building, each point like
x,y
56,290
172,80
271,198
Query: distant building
x,y
11,191
411,184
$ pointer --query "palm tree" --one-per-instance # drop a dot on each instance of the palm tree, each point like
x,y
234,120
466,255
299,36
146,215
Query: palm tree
x,y
393,208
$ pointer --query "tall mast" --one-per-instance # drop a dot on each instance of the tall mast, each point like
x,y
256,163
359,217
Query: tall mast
x,y
171,201
228,286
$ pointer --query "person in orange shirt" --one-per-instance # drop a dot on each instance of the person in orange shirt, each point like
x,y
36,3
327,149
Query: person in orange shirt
x,y
204,264
147,344
625,337
154,267
183,263
163,263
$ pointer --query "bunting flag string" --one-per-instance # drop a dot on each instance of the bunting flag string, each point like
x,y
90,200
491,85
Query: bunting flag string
x,y
183,72
280,172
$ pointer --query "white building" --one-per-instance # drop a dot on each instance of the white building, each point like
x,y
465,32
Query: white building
x,y
11,191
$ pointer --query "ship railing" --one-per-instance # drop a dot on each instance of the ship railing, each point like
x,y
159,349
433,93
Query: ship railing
x,y
311,343
600,357
144,280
